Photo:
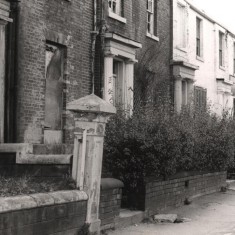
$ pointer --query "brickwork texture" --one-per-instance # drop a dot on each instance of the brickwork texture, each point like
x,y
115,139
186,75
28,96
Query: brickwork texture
x,y
163,195
154,56
67,24
67,218
110,202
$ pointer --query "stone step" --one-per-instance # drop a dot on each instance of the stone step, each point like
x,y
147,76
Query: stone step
x,y
45,159
127,218
52,149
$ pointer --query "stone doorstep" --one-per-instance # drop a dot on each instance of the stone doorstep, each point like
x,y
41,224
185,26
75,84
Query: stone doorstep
x,y
25,155
127,218
53,149
8,204
45,159
16,148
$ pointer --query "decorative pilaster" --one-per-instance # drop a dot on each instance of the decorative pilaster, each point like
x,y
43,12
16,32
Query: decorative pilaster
x,y
2,77
108,78
91,114
178,93
129,86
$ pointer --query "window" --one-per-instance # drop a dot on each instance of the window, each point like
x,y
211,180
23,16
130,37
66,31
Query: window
x,y
181,26
116,7
198,37
221,49
200,97
54,56
150,16
233,58
152,19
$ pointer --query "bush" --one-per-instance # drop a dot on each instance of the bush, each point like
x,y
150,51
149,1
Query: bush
x,y
158,142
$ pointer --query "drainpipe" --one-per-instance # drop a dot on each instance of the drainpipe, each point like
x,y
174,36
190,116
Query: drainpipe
x,y
103,29
94,34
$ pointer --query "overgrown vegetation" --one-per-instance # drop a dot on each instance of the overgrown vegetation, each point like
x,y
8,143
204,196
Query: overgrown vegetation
x,y
12,186
158,142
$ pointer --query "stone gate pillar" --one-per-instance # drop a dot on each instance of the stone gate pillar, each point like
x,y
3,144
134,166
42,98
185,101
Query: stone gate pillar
x,y
91,114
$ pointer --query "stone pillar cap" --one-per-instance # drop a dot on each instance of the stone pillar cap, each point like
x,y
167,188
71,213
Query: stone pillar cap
x,y
91,103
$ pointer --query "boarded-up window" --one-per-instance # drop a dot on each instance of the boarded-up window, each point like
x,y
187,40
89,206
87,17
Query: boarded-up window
x,y
54,87
200,97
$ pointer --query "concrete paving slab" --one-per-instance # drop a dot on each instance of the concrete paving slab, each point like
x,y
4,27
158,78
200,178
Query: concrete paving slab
x,y
210,215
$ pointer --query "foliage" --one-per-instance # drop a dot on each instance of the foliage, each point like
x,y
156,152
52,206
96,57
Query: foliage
x,y
12,186
158,142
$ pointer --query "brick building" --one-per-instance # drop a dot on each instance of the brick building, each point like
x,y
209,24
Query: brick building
x,y
49,53
203,59
136,39
48,65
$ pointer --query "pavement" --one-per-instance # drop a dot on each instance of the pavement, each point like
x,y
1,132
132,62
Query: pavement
x,y
212,214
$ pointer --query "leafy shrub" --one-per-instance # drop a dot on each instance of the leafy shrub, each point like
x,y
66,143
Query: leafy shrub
x,y
158,142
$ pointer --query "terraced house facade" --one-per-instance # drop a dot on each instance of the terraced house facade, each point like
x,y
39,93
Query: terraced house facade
x,y
57,50
203,59
48,64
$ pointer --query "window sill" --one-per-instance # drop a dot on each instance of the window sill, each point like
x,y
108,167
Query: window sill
x,y
222,68
200,58
117,17
152,36
181,49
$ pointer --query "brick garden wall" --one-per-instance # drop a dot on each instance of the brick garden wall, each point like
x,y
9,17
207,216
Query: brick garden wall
x,y
45,219
163,195
67,24
110,202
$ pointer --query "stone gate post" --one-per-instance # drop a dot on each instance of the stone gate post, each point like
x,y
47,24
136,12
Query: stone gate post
x,y
91,114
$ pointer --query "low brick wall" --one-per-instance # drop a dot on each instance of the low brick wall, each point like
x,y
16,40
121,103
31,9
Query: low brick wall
x,y
163,195
110,202
57,213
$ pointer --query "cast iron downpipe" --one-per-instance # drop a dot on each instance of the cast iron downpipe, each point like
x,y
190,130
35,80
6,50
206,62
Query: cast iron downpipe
x,y
94,34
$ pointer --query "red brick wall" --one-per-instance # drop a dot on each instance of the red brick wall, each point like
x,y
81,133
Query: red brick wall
x,y
162,195
155,55
110,202
68,218
63,21
69,23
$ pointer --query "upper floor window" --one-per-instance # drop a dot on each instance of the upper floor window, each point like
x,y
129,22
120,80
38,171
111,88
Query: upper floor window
x,y
152,19
116,6
150,16
198,37
181,26
221,49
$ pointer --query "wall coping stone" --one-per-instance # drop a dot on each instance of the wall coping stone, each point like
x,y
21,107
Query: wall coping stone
x,y
15,203
110,183
183,175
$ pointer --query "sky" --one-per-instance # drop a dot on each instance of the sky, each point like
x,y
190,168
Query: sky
x,y
222,11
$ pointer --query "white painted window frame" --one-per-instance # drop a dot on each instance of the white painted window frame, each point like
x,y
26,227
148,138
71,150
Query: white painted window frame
x,y
221,50
116,12
181,29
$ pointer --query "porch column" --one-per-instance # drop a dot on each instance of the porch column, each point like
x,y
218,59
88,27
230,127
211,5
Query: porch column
x,y
178,93
129,85
91,114
2,78
108,76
